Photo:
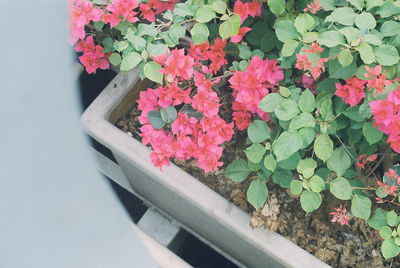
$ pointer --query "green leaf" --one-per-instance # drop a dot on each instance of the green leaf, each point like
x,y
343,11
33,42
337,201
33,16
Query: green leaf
x,y
342,15
238,170
286,30
270,162
326,109
372,39
371,134
341,188
365,21
257,193
225,29
137,42
378,220
219,6
392,218
204,14
339,161
155,119
285,145
354,114
323,147
306,163
310,201
359,4
287,110
151,71
268,42
303,22
336,70
388,9
390,28
390,249
115,59
282,177
255,152
327,5
386,55
307,101
385,232
130,61
121,45
236,22
156,49
373,3
175,32
296,187
350,33
307,136
277,6
270,102
146,29
331,38
291,162
366,53
168,114
199,33
361,206
258,131
345,58
289,47
302,120
244,52
317,184
310,37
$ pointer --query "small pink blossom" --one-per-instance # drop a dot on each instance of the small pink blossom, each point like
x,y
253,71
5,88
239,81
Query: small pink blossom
x,y
339,215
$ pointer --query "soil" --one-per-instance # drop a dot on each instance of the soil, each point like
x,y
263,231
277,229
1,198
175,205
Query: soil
x,y
339,246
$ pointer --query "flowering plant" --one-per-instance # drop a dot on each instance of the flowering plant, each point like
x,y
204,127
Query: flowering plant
x,y
314,85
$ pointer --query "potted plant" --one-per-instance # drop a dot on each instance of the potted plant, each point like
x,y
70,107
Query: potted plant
x,y
304,96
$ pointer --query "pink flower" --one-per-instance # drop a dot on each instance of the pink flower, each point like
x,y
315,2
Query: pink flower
x,y
314,7
94,60
242,9
339,215
383,112
216,54
81,13
177,64
242,31
376,79
387,188
352,92
314,48
303,63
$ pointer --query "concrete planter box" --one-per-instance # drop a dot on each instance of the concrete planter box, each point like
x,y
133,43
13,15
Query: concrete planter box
x,y
181,195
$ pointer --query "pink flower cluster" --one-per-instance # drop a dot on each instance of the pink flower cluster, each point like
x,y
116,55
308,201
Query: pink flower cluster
x,y
313,7
214,53
386,114
352,92
242,31
376,80
248,9
363,160
81,13
339,215
154,7
304,64
187,137
250,87
93,56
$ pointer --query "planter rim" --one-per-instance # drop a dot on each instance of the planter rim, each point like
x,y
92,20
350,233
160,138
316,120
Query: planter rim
x,y
95,121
